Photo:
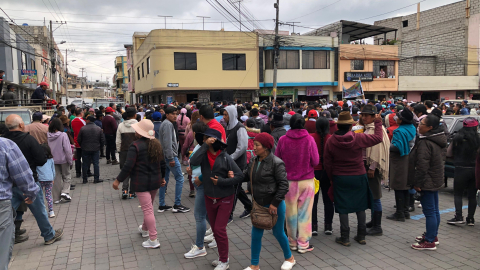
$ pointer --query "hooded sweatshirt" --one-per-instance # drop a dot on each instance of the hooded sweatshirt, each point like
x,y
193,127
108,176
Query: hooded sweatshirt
x,y
343,154
182,123
125,135
252,133
60,146
239,140
392,125
301,159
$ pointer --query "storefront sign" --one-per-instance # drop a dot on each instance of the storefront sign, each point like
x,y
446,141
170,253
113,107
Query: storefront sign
x,y
29,76
172,84
358,76
315,91
280,92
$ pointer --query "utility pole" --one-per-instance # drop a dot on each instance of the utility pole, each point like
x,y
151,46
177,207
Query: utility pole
x,y
165,17
293,24
203,21
52,59
239,12
276,53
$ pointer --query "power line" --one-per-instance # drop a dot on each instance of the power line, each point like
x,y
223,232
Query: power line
x,y
315,11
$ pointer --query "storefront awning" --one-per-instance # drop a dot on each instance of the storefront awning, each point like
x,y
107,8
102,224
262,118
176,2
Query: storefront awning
x,y
360,30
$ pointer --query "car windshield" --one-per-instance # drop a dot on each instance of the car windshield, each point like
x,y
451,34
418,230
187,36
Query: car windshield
x,y
25,116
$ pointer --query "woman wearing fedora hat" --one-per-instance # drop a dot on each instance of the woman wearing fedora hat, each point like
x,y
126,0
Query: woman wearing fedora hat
x,y
351,193
145,166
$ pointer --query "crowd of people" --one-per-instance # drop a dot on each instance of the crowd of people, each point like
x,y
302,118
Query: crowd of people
x,y
288,153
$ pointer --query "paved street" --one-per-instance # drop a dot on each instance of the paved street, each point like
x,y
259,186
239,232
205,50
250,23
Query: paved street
x,y
101,233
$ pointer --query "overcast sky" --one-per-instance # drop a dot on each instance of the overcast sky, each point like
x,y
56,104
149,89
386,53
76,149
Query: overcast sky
x,y
97,30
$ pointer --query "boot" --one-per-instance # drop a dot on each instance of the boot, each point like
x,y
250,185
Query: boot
x,y
20,238
406,210
371,223
399,215
18,230
360,237
376,230
411,203
344,238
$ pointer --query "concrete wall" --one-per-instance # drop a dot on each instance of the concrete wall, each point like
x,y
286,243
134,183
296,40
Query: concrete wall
x,y
327,30
160,46
437,83
473,45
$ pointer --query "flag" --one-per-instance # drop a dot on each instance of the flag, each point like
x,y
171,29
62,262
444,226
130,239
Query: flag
x,y
355,91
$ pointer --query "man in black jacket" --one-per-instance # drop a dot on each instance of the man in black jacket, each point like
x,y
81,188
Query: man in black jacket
x,y
40,93
91,140
35,156
276,125
9,97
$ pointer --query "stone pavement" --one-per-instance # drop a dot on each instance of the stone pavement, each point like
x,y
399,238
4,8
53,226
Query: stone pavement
x,y
101,232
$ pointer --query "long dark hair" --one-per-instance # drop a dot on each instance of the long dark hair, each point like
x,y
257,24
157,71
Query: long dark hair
x,y
55,125
47,150
297,122
323,128
466,143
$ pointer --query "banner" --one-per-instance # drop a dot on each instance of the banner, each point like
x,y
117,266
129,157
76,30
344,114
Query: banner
x,y
315,91
355,91
29,76
280,92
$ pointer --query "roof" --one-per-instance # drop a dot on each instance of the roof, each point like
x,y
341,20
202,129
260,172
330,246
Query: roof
x,y
360,30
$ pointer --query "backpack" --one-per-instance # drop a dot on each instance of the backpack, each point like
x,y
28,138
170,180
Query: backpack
x,y
250,152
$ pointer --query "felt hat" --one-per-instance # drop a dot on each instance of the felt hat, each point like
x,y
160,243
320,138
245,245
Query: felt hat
x,y
145,129
344,118
406,116
277,120
214,134
369,109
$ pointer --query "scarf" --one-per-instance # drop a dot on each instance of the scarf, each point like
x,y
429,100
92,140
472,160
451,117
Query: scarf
x,y
379,153
402,136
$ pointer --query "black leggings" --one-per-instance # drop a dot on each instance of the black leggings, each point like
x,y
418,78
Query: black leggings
x,y
361,219
327,203
464,179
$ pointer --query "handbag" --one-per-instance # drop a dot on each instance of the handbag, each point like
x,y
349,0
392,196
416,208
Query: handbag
x,y
260,216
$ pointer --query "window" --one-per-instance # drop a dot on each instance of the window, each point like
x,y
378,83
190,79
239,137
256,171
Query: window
x,y
234,61
405,23
387,66
356,65
138,73
316,59
185,61
143,74
129,75
148,65
460,94
24,61
32,64
286,59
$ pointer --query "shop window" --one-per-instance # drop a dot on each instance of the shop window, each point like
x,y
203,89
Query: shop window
x,y
460,94
357,65
383,69
234,61
286,60
315,59
185,61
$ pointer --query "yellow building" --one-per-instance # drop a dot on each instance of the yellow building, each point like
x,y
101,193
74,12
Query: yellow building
x,y
121,77
185,65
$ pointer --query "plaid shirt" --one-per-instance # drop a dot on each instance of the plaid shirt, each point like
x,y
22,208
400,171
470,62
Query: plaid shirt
x,y
14,169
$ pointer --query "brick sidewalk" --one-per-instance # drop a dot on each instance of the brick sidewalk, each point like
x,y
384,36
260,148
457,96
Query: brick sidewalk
x,y
101,232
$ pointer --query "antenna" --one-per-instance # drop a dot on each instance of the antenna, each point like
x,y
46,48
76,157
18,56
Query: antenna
x,y
165,19
239,11
293,24
203,20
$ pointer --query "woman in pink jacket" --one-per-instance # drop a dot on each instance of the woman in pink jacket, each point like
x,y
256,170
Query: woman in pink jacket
x,y
300,162
182,123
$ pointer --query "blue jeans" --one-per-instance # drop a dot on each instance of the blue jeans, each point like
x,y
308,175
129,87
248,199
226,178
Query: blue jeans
x,y
430,209
38,210
89,157
177,172
200,213
278,232
377,205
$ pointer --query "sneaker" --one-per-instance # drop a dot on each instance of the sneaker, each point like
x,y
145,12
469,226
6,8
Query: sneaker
x,y
424,245
132,196
328,229
98,181
66,197
293,248
192,194
314,233
56,202
144,233
180,209
470,221
195,252
217,262
456,220
57,237
288,265
213,244
109,161
305,250
245,214
209,231
151,244
115,162
51,214
419,205
124,195
164,208
422,237
209,238
222,266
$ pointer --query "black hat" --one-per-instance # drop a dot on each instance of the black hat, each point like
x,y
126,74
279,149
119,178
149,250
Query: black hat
x,y
406,116
91,119
277,120
214,134
369,109
437,112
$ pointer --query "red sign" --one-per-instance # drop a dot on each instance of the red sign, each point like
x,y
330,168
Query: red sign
x,y
45,56
447,98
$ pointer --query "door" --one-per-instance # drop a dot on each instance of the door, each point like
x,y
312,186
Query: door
x,y
181,98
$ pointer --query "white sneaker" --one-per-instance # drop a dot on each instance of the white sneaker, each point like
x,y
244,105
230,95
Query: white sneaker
x,y
209,238
288,265
216,262
213,244
151,244
222,266
419,206
195,252
51,214
56,202
144,233
66,197
248,268
209,231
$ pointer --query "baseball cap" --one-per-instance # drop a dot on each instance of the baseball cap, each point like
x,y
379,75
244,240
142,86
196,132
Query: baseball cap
x,y
312,113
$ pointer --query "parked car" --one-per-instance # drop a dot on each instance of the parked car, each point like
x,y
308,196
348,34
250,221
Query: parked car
x,y
454,124
26,114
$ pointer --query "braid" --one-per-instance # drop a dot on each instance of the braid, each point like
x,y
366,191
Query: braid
x,y
322,141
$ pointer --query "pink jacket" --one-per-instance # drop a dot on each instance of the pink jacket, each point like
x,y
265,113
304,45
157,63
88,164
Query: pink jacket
x,y
182,124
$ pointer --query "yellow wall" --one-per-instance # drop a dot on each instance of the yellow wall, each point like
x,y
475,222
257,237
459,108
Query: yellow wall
x,y
160,46
368,53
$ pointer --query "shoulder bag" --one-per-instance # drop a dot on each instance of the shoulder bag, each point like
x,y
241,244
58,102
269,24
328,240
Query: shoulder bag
x,y
260,215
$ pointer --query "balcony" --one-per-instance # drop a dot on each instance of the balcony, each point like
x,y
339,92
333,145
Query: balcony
x,y
118,61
